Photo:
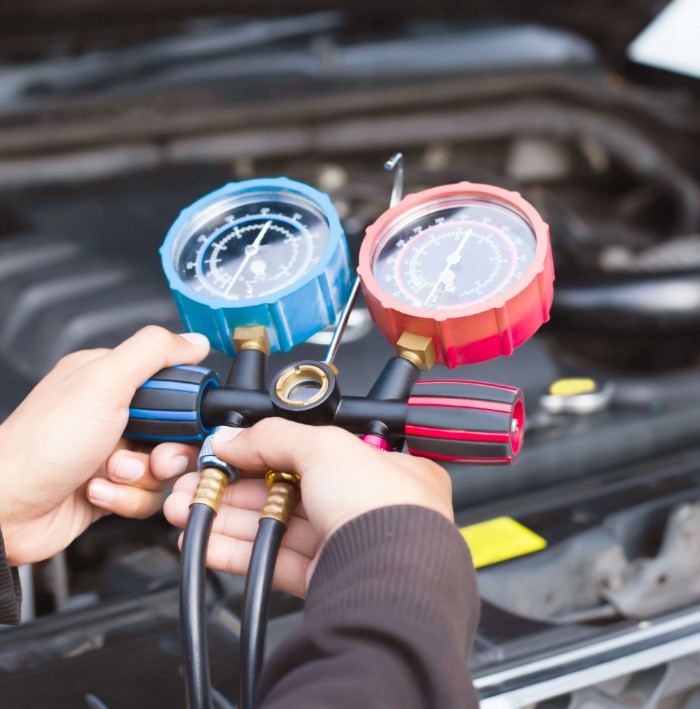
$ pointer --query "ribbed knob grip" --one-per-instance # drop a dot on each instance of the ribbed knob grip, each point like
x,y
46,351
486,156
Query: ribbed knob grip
x,y
167,406
465,422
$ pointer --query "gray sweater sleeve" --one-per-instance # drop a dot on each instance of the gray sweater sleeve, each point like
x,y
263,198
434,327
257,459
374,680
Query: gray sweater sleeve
x,y
10,591
390,617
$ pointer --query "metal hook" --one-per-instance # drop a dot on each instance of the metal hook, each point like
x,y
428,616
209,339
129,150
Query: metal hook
x,y
395,163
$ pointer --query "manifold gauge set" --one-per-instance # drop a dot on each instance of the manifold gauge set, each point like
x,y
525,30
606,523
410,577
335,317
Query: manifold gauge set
x,y
453,275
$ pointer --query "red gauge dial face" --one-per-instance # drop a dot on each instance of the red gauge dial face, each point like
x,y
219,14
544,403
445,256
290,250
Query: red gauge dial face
x,y
453,253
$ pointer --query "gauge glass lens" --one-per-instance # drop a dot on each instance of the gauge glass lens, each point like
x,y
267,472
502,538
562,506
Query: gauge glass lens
x,y
453,253
251,245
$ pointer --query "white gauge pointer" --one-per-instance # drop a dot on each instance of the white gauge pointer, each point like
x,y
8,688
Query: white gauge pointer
x,y
447,275
250,251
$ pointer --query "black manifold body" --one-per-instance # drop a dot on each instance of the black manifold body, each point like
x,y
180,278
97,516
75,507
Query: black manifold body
x,y
456,421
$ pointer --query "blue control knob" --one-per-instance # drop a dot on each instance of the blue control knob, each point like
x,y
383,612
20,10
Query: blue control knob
x,y
266,252
167,406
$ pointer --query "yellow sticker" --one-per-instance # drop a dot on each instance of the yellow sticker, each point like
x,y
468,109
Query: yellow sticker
x,y
572,386
500,539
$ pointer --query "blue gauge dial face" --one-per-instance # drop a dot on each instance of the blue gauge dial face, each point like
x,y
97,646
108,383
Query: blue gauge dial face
x,y
454,253
251,245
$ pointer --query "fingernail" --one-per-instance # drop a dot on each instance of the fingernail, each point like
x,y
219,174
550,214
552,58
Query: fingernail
x,y
178,465
101,491
128,469
195,338
226,433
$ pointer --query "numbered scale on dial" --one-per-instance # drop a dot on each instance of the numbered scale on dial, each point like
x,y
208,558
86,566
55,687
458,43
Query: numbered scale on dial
x,y
257,244
456,255
260,252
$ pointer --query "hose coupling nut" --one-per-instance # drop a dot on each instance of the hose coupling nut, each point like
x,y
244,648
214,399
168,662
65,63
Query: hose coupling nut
x,y
210,490
283,493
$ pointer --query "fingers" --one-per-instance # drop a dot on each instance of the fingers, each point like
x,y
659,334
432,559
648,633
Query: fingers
x,y
242,524
70,362
130,364
284,445
245,493
170,460
124,500
233,556
130,468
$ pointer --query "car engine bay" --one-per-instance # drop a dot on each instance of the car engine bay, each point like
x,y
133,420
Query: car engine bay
x,y
99,151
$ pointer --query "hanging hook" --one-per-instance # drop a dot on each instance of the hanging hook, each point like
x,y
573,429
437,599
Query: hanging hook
x,y
395,164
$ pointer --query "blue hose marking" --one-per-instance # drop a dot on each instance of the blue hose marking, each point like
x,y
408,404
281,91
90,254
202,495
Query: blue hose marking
x,y
161,415
171,386
163,439
192,368
209,383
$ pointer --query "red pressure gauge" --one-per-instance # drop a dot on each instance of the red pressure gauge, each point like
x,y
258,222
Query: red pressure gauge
x,y
467,265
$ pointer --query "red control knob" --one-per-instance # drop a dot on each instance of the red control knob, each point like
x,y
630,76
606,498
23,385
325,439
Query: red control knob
x,y
465,422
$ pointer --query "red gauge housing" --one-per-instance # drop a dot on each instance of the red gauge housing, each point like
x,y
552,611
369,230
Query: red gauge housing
x,y
488,326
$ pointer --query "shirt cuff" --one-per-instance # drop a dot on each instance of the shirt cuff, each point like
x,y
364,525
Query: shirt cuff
x,y
407,561
10,590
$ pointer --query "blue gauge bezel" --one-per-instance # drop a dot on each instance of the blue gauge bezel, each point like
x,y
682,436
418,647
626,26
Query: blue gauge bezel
x,y
237,189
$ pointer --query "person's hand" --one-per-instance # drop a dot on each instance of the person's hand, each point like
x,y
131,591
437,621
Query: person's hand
x,y
341,478
60,446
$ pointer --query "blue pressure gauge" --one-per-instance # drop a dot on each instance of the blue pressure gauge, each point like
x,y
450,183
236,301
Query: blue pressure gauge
x,y
266,252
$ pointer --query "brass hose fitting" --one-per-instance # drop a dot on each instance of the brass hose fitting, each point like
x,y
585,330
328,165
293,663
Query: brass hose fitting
x,y
210,490
416,349
284,489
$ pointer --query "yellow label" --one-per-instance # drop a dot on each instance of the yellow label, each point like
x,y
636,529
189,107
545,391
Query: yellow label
x,y
572,386
500,539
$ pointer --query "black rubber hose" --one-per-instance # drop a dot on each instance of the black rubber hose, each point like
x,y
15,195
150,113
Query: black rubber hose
x,y
256,603
193,626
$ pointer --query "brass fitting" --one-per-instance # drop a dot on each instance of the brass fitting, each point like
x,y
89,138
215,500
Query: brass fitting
x,y
417,349
210,490
283,494
302,375
254,337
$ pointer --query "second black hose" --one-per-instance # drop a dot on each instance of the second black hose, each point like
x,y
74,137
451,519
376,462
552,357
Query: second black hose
x,y
256,603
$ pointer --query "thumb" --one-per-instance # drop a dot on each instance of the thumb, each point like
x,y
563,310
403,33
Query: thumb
x,y
284,445
151,349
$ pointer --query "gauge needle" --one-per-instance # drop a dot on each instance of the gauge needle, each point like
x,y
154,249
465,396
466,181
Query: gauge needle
x,y
250,251
447,274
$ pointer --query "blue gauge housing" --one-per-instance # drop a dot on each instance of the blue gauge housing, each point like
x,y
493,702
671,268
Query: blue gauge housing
x,y
291,278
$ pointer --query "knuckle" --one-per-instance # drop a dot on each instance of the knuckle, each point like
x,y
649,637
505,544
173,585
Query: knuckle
x,y
154,336
73,360
187,483
145,504
174,506
337,436
270,428
93,376
336,442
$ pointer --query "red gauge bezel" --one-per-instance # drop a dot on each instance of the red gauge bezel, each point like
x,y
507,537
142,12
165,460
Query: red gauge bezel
x,y
478,332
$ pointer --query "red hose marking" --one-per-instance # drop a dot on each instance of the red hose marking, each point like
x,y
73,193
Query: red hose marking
x,y
455,459
489,437
465,381
441,401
